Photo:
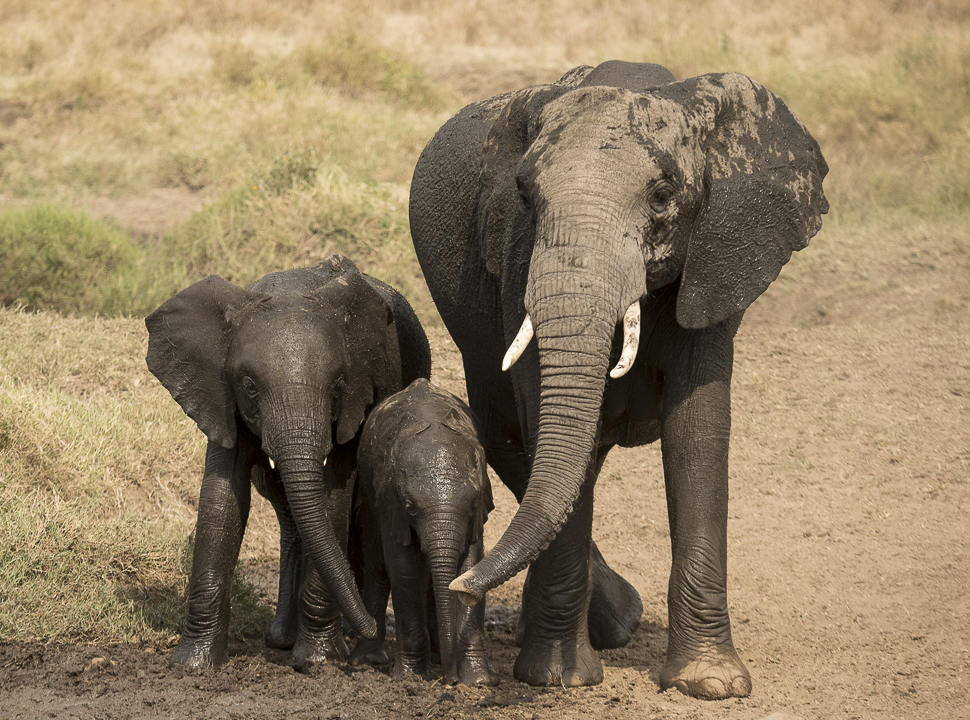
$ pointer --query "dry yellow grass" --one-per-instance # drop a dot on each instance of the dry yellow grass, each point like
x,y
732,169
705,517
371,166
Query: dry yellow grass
x,y
212,99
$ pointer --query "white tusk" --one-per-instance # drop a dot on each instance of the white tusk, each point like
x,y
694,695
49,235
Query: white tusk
x,y
631,340
272,465
326,460
518,345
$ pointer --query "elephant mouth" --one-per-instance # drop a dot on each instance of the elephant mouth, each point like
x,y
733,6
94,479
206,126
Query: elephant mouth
x,y
272,462
631,342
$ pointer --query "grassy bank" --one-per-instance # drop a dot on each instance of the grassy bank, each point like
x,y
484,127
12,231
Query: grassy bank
x,y
293,127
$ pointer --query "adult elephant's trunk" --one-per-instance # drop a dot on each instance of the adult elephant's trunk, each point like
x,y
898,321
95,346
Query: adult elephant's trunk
x,y
576,294
300,453
442,540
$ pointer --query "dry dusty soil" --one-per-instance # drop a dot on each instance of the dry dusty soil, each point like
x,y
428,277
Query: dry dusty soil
x,y
849,581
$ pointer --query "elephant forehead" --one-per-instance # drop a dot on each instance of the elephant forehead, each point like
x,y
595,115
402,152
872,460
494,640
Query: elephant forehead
x,y
614,127
438,469
291,329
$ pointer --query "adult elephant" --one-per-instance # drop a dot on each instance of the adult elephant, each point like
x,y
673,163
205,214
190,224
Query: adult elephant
x,y
616,198
280,377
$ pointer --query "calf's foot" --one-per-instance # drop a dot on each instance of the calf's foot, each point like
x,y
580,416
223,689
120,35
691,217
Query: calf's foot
x,y
369,652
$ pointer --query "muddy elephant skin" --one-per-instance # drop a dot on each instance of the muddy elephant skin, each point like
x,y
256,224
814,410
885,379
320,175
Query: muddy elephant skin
x,y
615,219
425,497
280,376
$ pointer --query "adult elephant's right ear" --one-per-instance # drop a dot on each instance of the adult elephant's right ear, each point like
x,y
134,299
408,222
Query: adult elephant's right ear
x,y
187,339
501,214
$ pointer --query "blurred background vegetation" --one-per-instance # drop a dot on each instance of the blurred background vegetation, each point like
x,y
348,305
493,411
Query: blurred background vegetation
x,y
146,144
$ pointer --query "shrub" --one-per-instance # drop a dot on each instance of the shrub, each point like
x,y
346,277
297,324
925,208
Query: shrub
x,y
55,258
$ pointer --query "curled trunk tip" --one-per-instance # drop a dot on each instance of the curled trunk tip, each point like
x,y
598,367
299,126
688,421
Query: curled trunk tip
x,y
463,587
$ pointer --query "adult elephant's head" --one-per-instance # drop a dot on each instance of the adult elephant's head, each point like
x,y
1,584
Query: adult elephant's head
x,y
607,195
297,360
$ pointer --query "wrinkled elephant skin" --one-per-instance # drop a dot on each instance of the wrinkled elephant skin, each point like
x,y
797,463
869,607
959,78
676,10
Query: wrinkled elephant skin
x,y
614,219
280,376
425,496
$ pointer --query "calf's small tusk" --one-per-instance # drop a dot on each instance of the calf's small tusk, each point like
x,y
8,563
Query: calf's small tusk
x,y
518,345
272,465
631,340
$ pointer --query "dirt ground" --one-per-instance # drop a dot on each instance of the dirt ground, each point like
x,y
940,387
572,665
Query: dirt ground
x,y
849,579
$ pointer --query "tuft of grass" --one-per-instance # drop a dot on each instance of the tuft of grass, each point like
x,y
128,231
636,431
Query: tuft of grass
x,y
233,63
58,258
357,66
293,170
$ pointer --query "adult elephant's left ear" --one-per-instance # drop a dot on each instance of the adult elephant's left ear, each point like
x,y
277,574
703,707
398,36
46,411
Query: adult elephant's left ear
x,y
187,339
763,195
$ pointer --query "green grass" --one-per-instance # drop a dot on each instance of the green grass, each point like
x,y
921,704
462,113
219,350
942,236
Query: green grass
x,y
98,478
72,574
56,258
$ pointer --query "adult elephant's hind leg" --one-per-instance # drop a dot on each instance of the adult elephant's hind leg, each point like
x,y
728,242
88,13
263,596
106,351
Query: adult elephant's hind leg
x,y
615,608
555,640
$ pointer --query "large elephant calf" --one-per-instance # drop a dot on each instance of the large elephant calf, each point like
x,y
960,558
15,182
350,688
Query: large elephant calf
x,y
280,377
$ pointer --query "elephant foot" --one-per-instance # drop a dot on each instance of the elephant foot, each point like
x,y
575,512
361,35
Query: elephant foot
x,y
281,635
615,607
200,654
405,665
369,652
327,645
477,671
558,663
716,673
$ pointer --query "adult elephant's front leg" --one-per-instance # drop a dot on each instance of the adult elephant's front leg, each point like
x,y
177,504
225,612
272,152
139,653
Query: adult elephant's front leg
x,y
223,511
555,604
701,659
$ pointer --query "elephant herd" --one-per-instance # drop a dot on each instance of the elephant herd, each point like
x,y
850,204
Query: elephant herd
x,y
591,246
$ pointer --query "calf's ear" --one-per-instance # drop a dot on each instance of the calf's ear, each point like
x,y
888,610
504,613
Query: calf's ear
x,y
372,354
188,336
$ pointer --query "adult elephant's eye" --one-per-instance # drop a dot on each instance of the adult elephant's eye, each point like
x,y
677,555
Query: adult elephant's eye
x,y
660,197
249,387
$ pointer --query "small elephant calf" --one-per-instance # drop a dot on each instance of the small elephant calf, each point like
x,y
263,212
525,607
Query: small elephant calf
x,y
425,496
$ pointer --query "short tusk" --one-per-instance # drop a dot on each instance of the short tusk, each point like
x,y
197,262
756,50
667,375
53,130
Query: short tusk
x,y
519,344
631,340
272,465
